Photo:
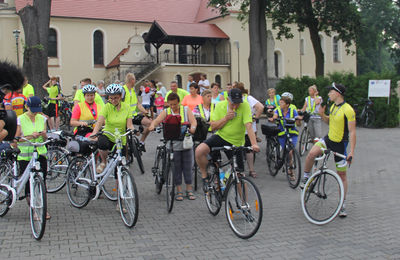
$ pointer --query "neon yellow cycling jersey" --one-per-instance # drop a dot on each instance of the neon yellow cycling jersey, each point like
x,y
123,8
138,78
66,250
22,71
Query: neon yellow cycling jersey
x,y
339,116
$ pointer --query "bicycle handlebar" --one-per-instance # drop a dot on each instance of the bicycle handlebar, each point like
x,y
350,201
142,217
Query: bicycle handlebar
x,y
34,144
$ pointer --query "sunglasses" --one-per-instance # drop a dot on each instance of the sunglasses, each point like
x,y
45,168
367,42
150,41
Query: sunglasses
x,y
334,86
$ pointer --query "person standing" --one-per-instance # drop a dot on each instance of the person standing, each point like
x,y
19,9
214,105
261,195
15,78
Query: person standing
x,y
175,89
161,88
312,105
28,90
190,81
203,83
216,96
52,89
101,90
193,99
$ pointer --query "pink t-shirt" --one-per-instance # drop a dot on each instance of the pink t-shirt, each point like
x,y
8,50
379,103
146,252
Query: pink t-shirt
x,y
192,102
159,102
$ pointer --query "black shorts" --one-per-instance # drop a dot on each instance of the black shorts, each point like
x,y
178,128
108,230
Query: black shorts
x,y
336,147
52,110
217,141
104,143
137,120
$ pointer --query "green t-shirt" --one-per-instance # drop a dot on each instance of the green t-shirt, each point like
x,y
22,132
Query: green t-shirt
x,y
115,119
234,130
181,93
53,93
28,90
81,98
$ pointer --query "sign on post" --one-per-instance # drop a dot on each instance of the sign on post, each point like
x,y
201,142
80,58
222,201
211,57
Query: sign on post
x,y
379,88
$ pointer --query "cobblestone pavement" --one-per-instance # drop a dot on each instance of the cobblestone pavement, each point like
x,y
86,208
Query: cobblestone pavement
x,y
371,230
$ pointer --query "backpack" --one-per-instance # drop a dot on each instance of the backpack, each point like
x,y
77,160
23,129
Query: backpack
x,y
172,127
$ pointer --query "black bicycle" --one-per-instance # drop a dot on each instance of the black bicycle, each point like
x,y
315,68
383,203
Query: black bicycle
x,y
243,203
366,117
134,151
306,139
278,157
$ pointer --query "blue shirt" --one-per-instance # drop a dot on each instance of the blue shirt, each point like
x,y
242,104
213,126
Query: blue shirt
x,y
295,114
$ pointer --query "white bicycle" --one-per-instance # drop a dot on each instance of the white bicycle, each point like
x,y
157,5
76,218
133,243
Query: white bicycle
x,y
323,194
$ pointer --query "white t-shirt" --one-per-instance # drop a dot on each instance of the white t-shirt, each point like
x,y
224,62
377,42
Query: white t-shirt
x,y
146,98
33,123
203,83
252,102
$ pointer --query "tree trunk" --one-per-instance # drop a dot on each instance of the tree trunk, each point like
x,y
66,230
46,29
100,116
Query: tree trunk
x,y
258,49
35,20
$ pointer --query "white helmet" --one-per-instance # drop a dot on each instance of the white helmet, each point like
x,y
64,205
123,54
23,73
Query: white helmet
x,y
89,89
288,95
113,89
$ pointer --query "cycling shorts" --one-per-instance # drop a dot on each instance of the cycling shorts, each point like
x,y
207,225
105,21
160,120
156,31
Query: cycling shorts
x,y
137,120
326,143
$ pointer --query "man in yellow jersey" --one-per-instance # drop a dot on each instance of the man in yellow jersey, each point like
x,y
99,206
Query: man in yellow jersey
x,y
342,125
28,90
230,119
80,97
136,107
54,95
174,88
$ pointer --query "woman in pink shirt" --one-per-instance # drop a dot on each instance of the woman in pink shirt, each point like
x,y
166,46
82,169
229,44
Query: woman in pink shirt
x,y
159,102
194,98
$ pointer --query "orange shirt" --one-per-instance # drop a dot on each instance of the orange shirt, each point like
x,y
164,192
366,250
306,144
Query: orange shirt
x,y
191,102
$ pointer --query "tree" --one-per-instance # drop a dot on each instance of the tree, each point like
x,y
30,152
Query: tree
x,y
331,17
253,11
35,21
392,34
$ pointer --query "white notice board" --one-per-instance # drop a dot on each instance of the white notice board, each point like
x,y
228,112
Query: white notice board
x,y
379,88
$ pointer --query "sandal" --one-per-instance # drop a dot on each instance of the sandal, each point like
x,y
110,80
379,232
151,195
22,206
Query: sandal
x,y
253,174
291,175
179,196
48,216
190,195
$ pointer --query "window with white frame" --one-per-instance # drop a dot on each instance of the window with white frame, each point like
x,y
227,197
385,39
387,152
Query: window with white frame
x,y
52,44
336,49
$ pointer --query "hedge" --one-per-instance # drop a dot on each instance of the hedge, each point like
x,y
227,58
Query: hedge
x,y
356,92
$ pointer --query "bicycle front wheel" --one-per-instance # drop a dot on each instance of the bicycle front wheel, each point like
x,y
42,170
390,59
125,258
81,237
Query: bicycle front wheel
x,y
78,182
293,168
158,169
5,198
38,207
322,197
243,207
272,156
110,188
169,185
213,195
128,199
304,141
57,170
137,154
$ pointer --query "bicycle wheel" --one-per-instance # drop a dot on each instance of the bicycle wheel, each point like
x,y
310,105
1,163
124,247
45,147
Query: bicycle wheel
x,y
322,197
6,170
137,154
169,185
213,195
38,207
57,162
243,210
128,199
158,169
293,166
304,139
369,118
272,156
78,182
110,188
4,200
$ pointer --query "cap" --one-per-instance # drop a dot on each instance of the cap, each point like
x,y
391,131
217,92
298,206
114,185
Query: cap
x,y
147,90
35,104
338,88
235,96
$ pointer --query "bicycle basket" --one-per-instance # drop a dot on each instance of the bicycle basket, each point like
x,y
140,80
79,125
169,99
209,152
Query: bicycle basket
x,y
82,147
58,140
172,127
290,122
270,129
201,130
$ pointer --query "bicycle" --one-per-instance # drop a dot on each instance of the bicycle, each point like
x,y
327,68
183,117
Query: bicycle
x,y
305,135
12,185
163,171
323,185
134,151
84,184
243,203
367,116
278,157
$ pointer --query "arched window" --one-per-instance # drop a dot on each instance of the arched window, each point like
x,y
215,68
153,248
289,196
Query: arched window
x,y
278,64
336,49
52,42
218,79
98,48
179,80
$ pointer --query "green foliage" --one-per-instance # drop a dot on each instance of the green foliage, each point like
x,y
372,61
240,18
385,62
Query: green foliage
x,y
356,93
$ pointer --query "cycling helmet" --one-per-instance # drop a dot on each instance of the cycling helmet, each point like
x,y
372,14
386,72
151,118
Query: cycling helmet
x,y
89,89
287,94
113,89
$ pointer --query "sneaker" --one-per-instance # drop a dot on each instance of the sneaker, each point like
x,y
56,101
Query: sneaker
x,y
303,182
342,212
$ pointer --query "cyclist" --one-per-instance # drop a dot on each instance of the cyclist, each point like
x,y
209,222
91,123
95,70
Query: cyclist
x,y
285,110
206,108
342,125
15,101
273,99
312,105
32,125
194,98
290,96
85,111
52,89
115,114
27,89
183,158
228,88
130,98
174,89
79,96
256,110
231,119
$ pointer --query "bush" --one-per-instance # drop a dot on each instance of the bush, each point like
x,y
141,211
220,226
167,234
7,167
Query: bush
x,y
356,93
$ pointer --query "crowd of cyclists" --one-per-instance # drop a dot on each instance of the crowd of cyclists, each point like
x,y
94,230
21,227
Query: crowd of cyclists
x,y
229,117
